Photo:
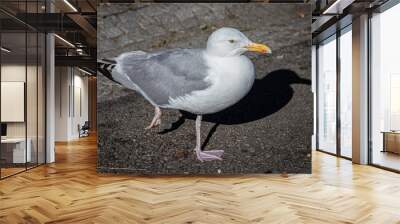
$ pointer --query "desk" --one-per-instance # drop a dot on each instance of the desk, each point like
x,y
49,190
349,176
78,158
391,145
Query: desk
x,y
391,141
17,150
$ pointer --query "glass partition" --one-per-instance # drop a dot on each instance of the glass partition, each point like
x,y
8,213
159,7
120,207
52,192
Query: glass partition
x,y
22,77
31,100
14,153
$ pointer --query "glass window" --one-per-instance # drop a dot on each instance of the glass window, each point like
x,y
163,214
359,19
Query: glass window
x,y
385,88
327,95
346,92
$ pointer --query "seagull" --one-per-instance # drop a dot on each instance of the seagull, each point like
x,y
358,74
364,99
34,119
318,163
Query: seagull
x,y
199,81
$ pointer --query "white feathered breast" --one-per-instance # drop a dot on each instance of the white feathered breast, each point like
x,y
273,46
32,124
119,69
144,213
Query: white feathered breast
x,y
231,79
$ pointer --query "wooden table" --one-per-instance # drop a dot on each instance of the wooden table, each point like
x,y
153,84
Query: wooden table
x,y
391,141
18,149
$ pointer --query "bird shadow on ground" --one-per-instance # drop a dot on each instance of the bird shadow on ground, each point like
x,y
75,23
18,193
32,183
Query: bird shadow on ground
x,y
267,96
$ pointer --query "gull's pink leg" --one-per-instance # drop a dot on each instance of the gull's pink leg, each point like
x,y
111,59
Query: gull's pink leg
x,y
205,155
156,119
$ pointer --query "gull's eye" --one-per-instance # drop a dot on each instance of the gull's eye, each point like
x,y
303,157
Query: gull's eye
x,y
231,41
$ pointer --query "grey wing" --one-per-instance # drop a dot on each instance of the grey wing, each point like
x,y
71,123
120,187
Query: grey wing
x,y
164,75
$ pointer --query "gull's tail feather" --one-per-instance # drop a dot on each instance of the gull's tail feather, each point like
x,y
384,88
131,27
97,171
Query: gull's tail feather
x,y
105,67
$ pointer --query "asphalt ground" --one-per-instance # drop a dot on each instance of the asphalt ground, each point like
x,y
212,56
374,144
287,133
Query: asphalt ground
x,y
268,131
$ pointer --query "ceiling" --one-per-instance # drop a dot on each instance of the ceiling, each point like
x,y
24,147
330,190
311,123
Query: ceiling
x,y
24,47
74,22
331,15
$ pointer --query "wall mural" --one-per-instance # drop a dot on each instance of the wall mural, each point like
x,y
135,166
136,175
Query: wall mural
x,y
204,88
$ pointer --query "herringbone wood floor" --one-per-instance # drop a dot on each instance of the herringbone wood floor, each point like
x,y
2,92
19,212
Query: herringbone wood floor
x,y
70,191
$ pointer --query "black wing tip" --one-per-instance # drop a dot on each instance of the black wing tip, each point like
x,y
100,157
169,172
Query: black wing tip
x,y
105,67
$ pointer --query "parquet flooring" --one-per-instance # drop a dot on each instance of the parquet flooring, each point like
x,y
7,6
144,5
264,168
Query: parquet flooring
x,y
10,171
70,191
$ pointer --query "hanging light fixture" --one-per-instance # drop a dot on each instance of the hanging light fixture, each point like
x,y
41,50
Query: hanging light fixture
x,y
5,50
64,40
70,5
84,71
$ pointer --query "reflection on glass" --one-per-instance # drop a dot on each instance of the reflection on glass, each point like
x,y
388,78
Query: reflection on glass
x,y
41,99
31,100
385,95
327,96
346,94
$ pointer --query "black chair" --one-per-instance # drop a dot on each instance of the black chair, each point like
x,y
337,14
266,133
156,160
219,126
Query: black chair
x,y
84,130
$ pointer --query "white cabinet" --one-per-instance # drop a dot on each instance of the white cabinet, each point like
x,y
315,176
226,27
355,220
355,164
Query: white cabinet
x,y
18,149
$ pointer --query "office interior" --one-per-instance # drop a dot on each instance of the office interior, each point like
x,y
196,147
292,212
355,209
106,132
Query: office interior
x,y
356,81
48,76
48,81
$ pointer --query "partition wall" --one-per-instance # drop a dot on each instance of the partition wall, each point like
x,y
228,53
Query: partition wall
x,y
22,77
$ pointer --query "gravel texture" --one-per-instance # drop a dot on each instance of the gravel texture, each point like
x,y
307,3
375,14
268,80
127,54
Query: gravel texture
x,y
268,131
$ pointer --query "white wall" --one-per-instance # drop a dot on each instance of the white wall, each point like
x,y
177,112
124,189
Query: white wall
x,y
80,105
33,126
15,72
62,81
71,94
10,73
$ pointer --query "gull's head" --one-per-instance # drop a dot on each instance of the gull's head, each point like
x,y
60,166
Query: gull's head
x,y
231,42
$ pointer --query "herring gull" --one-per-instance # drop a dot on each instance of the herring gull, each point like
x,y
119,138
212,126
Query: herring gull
x,y
200,81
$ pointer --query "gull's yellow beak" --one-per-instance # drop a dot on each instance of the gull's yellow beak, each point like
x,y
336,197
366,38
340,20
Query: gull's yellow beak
x,y
261,48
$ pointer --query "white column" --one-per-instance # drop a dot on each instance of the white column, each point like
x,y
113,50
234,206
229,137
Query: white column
x,y
50,93
360,90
